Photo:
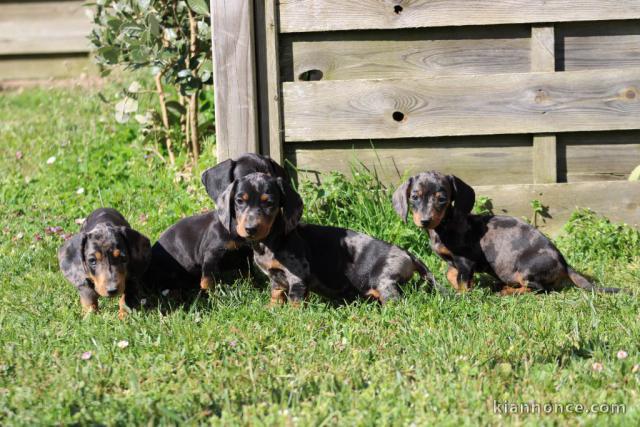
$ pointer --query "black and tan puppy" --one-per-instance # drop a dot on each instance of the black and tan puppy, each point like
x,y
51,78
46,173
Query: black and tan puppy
x,y
514,252
196,250
106,258
334,262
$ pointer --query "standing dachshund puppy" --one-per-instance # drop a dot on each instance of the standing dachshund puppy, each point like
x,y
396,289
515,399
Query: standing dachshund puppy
x,y
197,249
107,258
334,262
514,252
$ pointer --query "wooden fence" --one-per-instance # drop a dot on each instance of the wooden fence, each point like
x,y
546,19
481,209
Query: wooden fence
x,y
524,99
43,39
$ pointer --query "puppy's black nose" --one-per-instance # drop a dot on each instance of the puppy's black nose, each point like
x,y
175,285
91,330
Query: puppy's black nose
x,y
112,292
251,230
425,222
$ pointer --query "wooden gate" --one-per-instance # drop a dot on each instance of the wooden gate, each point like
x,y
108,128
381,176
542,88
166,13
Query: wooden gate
x,y
524,99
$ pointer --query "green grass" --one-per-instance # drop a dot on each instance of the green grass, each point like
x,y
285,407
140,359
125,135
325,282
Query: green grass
x,y
229,359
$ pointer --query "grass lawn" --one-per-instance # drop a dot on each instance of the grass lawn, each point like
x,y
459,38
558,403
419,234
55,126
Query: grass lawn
x,y
230,360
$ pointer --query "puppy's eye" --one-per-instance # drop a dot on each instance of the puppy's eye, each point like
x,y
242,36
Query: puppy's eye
x,y
441,200
92,262
239,201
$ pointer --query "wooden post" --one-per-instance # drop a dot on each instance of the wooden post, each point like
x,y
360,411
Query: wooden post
x,y
234,77
273,81
545,165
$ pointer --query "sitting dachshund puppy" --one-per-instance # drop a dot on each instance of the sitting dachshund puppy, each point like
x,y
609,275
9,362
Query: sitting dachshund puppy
x,y
509,249
335,262
196,250
107,258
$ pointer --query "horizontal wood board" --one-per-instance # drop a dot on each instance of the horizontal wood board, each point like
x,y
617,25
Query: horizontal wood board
x,y
333,15
462,105
407,54
44,27
482,160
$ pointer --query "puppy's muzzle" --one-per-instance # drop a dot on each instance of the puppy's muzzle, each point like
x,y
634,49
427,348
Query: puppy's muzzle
x,y
251,230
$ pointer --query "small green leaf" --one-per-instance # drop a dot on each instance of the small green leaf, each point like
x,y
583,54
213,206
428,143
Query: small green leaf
x,y
110,54
200,7
154,25
175,108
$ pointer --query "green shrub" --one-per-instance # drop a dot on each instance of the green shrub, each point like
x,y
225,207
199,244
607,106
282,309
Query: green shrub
x,y
170,39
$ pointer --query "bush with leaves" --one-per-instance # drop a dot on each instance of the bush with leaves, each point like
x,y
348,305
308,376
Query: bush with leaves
x,y
172,39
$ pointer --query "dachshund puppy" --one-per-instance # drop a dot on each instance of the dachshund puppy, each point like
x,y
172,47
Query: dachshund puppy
x,y
335,262
514,252
196,250
107,258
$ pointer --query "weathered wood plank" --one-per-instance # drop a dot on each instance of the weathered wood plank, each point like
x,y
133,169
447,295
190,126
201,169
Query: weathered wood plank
x,y
462,105
598,45
619,201
545,166
234,78
543,58
38,67
273,81
332,15
481,160
597,156
407,54
43,27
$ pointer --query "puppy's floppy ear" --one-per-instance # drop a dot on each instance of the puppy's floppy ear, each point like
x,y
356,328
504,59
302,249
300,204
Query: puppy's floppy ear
x,y
217,178
400,199
71,259
277,170
139,251
463,196
292,205
225,205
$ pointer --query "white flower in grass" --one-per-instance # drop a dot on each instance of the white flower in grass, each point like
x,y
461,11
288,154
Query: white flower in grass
x,y
597,367
51,160
143,301
80,190
165,292
86,355
622,355
123,344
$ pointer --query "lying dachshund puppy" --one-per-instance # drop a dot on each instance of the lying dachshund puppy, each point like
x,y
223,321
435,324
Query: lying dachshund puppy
x,y
335,262
197,250
107,258
509,249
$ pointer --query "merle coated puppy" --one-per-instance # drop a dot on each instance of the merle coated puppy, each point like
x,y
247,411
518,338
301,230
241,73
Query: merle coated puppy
x,y
106,258
197,250
334,262
514,252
